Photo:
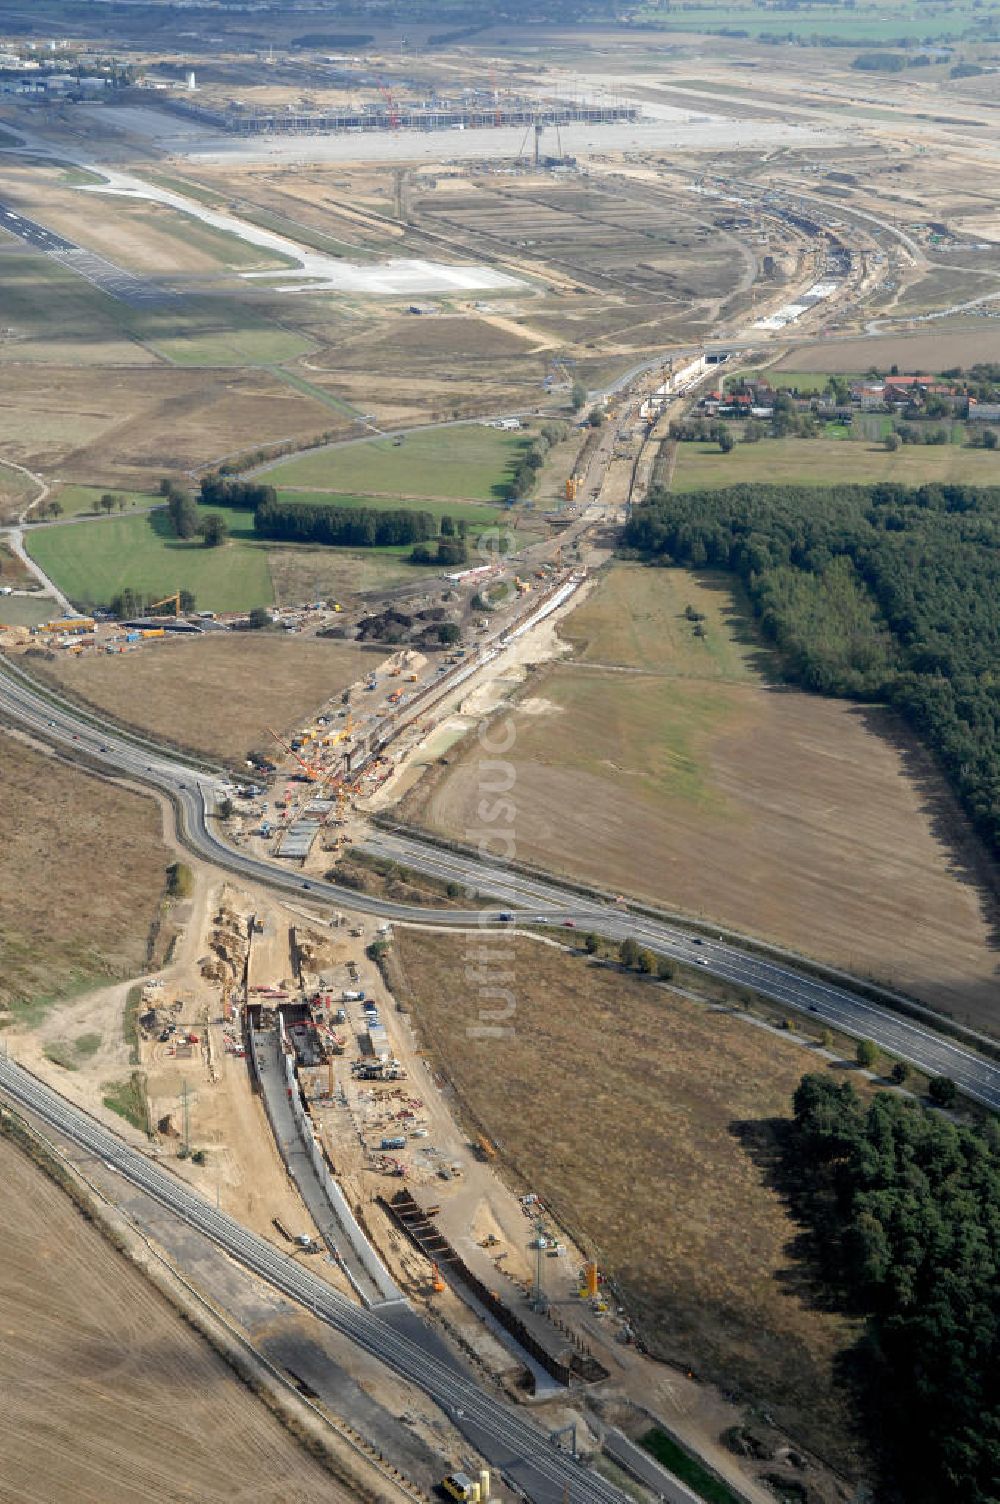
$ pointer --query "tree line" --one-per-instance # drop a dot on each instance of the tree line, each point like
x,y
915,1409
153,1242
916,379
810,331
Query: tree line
x,y
247,495
871,592
903,1208
523,481
343,527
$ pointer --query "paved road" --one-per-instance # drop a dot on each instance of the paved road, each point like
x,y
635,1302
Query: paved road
x,y
546,902
835,1005
338,1236
511,1442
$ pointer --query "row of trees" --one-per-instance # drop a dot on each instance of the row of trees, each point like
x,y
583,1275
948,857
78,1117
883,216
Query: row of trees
x,y
130,602
345,527
188,522
248,495
876,592
904,1211
525,477
447,551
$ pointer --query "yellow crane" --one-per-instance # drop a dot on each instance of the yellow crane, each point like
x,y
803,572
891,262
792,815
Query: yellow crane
x,y
169,600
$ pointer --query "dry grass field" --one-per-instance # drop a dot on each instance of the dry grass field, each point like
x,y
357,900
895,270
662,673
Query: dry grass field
x,y
630,1111
75,905
303,574
950,343
688,779
108,1393
16,490
215,695
144,237
127,428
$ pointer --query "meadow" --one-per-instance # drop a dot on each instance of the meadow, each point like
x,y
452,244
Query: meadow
x,y
92,561
469,461
830,461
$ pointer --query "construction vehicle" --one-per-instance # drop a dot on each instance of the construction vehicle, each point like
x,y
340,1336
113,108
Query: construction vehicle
x,y
169,600
313,774
484,1148
461,1487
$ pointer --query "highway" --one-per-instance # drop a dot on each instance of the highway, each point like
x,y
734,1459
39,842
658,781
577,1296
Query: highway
x,y
512,1443
544,902
835,1005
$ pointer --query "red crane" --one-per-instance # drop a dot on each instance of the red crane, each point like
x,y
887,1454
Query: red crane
x,y
391,106
313,774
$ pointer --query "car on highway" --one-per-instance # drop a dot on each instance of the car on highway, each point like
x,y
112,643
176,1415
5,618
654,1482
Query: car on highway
x,y
506,917
104,748
307,885
569,924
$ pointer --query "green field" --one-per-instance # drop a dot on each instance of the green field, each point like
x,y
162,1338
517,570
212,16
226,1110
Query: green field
x,y
804,381
829,462
220,332
637,620
26,610
60,318
476,514
77,499
865,24
91,562
467,460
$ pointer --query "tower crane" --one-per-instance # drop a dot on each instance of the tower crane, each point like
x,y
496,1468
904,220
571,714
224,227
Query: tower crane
x,y
391,106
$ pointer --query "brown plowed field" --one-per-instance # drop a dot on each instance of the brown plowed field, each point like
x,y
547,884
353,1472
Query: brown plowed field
x,y
108,1394
680,775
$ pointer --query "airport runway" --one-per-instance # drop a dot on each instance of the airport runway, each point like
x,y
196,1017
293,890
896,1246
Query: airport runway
x,y
125,286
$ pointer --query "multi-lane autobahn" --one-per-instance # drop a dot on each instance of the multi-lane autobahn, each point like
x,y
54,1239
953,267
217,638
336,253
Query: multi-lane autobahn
x,y
512,1443
542,902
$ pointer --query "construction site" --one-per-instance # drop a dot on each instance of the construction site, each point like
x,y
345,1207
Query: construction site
x,y
473,109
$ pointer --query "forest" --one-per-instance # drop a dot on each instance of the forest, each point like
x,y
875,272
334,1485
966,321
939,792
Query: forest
x,y
902,1208
345,527
877,592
